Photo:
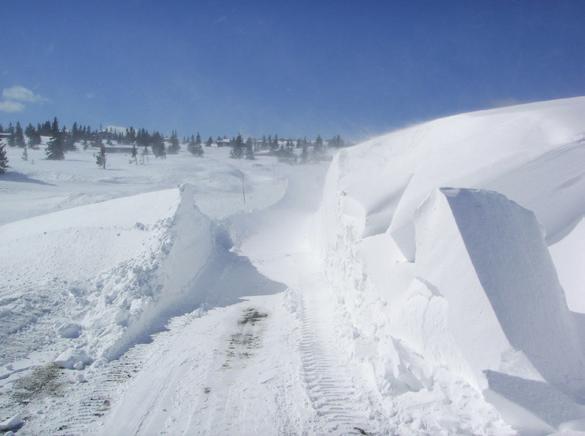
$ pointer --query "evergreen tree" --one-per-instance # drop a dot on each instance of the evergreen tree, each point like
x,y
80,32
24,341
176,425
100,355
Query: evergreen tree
x,y
100,159
12,137
3,158
19,136
237,148
318,148
191,145
209,142
134,154
34,136
24,155
75,133
68,140
55,147
174,140
337,142
158,145
275,144
195,146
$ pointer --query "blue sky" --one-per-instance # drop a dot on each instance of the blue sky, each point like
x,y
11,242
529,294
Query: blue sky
x,y
290,67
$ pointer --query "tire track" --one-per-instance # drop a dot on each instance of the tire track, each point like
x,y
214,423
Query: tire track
x,y
329,383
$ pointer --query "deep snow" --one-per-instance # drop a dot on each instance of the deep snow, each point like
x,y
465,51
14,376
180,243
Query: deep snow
x,y
429,281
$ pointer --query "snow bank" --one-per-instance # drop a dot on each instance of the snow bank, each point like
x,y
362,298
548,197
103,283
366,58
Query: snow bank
x,y
487,257
194,269
432,279
568,256
534,154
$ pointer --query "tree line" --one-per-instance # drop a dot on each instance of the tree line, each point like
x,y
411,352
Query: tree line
x,y
62,139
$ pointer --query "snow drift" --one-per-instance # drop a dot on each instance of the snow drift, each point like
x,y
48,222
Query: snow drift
x,y
196,269
463,278
108,275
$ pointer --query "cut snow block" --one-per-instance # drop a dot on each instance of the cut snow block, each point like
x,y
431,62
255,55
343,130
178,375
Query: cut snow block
x,y
487,256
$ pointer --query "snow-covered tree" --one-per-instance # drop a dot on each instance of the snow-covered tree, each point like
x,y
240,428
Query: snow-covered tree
x,y
3,158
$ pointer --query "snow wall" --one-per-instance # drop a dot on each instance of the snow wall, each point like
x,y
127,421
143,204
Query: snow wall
x,y
194,270
463,277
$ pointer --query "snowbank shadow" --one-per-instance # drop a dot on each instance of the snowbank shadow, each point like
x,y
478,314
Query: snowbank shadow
x,y
13,176
541,399
225,280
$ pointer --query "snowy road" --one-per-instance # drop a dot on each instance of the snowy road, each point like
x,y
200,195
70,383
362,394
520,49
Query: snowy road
x,y
277,354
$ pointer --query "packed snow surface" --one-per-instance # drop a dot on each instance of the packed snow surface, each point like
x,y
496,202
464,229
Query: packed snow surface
x,y
428,281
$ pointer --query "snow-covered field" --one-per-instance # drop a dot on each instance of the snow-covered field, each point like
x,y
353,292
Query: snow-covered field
x,y
428,281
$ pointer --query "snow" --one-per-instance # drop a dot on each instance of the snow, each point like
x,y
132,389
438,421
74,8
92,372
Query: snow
x,y
428,281
462,278
570,265
13,423
73,359
531,153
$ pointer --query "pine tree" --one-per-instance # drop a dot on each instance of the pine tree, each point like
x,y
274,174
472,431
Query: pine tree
x,y
19,136
100,159
174,147
318,148
237,148
275,144
191,145
55,147
209,142
12,137
158,145
34,137
195,147
134,154
3,158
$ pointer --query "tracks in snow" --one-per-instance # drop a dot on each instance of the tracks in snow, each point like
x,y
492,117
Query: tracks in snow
x,y
329,383
94,399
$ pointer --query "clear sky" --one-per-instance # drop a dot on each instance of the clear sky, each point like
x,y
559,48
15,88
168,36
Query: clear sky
x,y
288,67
